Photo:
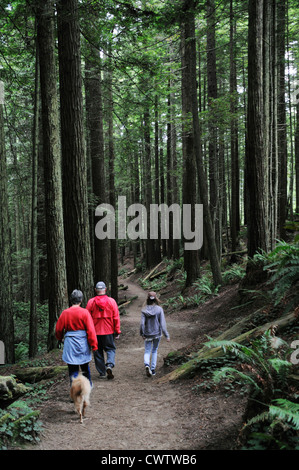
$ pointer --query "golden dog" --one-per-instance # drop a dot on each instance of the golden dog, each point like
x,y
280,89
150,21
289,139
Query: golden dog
x,y
80,392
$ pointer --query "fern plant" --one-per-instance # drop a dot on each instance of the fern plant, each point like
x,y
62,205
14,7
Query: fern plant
x,y
280,425
262,367
259,366
284,265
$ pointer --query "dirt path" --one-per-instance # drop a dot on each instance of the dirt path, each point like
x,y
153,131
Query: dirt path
x,y
134,412
129,412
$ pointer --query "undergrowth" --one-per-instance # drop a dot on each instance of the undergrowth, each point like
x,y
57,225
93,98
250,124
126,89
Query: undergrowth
x,y
19,424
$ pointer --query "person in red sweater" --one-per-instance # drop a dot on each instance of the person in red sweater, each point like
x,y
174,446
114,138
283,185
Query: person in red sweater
x,y
77,329
104,312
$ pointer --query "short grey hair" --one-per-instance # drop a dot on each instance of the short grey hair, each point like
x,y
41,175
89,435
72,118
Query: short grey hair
x,y
76,297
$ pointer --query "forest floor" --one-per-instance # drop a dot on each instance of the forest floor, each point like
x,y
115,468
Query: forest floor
x,y
134,412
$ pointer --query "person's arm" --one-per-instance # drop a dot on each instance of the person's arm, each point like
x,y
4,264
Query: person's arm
x,y
142,323
91,333
59,328
116,318
163,325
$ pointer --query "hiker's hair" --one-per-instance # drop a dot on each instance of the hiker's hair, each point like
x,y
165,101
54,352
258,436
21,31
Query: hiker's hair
x,y
152,301
76,297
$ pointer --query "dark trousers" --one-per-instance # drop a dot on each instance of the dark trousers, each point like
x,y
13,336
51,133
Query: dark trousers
x,y
74,371
105,345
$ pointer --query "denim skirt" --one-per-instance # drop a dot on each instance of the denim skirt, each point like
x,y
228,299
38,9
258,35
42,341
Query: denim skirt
x,y
76,349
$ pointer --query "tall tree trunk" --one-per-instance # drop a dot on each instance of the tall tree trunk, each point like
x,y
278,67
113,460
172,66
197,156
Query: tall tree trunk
x,y
94,107
282,131
235,177
162,186
157,174
152,255
58,298
190,108
75,203
212,96
112,194
297,153
6,309
34,258
255,155
273,155
169,173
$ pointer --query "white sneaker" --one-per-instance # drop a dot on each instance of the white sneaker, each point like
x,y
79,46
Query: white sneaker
x,y
148,371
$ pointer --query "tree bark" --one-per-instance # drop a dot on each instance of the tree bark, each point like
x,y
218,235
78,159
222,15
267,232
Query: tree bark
x,y
281,124
189,78
297,154
6,309
58,298
255,153
112,196
75,202
191,257
34,258
212,125
93,86
235,177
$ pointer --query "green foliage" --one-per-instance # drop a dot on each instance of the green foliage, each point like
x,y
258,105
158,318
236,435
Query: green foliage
x,y
21,322
19,424
234,274
279,424
261,365
205,286
284,266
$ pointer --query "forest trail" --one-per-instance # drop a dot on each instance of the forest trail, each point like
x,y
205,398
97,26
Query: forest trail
x,y
134,412
131,411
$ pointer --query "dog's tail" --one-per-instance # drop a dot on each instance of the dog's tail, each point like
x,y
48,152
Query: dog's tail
x,y
81,386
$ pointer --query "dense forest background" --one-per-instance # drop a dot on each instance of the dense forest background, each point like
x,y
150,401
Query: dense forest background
x,y
174,101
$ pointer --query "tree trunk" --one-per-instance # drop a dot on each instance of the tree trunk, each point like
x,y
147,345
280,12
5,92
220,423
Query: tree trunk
x,y
157,173
191,257
112,197
189,78
58,298
169,147
235,177
6,309
297,154
212,131
152,255
94,107
255,154
273,156
281,125
34,258
75,203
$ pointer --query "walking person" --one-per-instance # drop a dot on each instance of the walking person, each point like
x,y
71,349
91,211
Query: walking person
x,y
104,312
77,329
152,326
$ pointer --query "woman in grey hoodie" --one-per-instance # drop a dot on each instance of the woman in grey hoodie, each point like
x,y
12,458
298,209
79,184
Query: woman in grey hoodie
x,y
152,326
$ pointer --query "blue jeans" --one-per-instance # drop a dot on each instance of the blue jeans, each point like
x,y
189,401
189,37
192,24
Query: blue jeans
x,y
74,371
105,345
151,348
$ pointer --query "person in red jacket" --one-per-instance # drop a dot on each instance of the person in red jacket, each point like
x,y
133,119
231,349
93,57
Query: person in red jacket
x,y
106,319
77,329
